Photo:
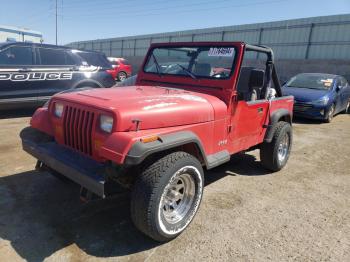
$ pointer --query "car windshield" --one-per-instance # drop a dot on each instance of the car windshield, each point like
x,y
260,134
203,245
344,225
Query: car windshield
x,y
311,81
95,59
197,62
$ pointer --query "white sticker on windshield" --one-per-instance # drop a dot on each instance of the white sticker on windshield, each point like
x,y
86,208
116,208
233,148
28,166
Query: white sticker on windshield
x,y
221,51
327,82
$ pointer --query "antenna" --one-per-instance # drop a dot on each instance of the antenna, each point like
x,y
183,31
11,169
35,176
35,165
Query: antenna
x,y
56,22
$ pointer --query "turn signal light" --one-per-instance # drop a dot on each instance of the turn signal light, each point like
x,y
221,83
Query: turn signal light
x,y
149,139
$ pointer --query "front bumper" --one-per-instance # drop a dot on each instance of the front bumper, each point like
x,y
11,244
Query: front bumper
x,y
83,170
308,110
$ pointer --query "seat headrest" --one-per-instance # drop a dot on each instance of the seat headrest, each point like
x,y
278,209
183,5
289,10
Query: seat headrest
x,y
243,81
256,79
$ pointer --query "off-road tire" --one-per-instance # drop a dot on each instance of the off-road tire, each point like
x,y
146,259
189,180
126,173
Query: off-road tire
x,y
148,194
330,114
269,151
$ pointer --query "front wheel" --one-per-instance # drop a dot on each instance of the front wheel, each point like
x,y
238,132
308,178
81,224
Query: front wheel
x,y
347,108
330,114
166,196
274,155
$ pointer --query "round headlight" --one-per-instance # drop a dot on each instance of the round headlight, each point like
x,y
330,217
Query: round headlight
x,y
106,123
58,109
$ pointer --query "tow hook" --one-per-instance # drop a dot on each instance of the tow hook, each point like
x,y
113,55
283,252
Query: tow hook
x,y
86,195
39,166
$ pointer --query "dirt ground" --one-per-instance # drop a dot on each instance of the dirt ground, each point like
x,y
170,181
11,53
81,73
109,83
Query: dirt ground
x,y
301,213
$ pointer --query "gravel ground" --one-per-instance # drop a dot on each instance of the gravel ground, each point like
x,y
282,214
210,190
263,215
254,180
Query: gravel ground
x,y
247,214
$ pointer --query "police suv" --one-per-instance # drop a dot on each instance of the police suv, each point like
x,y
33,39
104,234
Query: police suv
x,y
31,73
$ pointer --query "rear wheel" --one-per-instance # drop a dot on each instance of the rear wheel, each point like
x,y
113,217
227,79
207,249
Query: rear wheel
x,y
122,76
274,155
166,196
330,114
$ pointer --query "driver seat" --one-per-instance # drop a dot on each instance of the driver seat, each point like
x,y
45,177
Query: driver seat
x,y
246,91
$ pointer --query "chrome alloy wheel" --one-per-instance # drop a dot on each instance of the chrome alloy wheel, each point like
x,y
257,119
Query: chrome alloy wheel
x,y
283,148
122,76
178,197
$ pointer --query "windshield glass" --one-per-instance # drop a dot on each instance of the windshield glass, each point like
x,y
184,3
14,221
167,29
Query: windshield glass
x,y
95,59
197,62
311,81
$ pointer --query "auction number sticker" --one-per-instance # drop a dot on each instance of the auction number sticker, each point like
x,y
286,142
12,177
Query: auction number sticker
x,y
327,82
221,51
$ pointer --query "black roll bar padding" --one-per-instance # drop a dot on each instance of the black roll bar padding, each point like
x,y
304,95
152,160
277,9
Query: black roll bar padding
x,y
261,49
269,69
271,73
276,82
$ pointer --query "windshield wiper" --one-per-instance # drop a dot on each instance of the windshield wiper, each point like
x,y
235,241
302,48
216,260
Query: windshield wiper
x,y
187,71
157,65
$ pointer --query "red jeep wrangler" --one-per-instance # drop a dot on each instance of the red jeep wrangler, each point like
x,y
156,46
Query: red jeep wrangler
x,y
192,107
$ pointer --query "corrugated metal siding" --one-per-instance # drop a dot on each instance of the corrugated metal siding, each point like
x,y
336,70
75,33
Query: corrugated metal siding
x,y
326,37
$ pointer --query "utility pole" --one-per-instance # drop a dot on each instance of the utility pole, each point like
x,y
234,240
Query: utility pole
x,y
56,22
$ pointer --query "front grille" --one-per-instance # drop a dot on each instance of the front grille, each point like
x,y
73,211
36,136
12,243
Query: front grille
x,y
300,107
78,125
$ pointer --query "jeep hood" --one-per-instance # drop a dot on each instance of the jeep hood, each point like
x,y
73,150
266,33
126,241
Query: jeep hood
x,y
154,107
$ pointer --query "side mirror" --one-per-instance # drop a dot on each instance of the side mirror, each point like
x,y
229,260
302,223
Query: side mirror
x,y
256,78
338,88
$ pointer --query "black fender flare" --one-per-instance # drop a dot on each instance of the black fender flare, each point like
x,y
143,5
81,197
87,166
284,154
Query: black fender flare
x,y
140,151
87,82
275,117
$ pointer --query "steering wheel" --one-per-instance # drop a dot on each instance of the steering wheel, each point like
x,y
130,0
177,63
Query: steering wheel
x,y
219,75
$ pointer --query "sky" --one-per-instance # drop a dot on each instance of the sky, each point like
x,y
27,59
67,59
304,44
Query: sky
x,y
80,20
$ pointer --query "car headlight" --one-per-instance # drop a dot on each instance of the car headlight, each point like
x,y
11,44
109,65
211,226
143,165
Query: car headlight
x,y
58,109
106,123
323,101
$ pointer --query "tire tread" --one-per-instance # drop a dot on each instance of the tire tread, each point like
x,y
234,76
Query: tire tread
x,y
267,157
143,194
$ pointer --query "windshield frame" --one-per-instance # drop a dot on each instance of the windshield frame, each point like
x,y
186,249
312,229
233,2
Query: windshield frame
x,y
150,54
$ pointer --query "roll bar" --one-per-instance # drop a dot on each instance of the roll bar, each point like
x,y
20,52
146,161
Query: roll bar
x,y
271,73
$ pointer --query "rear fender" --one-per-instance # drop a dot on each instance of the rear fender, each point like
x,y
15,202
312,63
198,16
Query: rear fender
x,y
276,116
